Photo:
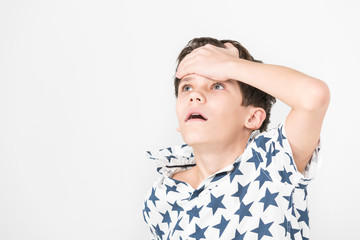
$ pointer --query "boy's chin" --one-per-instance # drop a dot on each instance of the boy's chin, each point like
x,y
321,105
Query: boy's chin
x,y
193,142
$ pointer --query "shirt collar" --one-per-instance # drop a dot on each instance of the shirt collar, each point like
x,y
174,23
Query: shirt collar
x,y
177,158
172,159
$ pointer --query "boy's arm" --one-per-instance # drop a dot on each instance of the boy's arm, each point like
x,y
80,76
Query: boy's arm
x,y
308,97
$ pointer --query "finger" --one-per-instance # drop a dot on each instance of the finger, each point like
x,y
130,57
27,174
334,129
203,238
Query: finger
x,y
178,75
232,49
185,60
228,45
182,72
183,75
180,69
186,64
186,68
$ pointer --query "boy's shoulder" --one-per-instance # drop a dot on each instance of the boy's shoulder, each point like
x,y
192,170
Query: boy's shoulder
x,y
274,154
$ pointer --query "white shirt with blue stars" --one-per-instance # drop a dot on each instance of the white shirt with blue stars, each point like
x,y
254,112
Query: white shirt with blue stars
x,y
261,196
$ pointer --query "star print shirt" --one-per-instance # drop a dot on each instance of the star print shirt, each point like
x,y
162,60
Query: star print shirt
x,y
261,195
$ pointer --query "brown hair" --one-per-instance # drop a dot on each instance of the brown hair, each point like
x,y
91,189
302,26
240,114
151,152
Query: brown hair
x,y
251,95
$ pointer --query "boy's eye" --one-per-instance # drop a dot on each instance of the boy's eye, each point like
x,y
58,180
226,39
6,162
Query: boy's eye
x,y
218,86
186,88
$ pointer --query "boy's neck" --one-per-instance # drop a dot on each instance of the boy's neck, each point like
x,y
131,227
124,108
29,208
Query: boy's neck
x,y
211,158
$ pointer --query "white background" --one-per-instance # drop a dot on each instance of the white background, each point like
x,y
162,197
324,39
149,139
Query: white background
x,y
86,87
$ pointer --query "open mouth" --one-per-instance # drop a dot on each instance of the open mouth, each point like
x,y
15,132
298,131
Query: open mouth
x,y
196,116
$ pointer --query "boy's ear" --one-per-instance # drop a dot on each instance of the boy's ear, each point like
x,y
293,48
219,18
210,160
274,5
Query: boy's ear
x,y
256,117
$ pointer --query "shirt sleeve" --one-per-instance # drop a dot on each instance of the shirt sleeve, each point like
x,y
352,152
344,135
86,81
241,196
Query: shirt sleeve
x,y
285,163
313,164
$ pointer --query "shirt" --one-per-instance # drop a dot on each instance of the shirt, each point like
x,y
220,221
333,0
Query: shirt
x,y
261,195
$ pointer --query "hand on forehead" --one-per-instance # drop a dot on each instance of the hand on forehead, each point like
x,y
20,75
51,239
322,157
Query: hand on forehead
x,y
208,61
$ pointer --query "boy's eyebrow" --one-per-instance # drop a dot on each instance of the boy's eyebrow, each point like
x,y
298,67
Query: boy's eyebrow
x,y
229,81
186,78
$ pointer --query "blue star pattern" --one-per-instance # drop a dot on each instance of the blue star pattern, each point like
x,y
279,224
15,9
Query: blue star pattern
x,y
241,191
236,172
293,231
194,212
215,203
263,229
304,216
146,209
263,177
199,233
218,176
166,218
255,159
285,176
153,197
196,193
285,225
244,211
259,196
175,207
269,199
261,141
170,189
222,225
239,236
281,137
177,227
271,154
158,231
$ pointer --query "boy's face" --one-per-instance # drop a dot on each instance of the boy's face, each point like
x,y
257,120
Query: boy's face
x,y
210,111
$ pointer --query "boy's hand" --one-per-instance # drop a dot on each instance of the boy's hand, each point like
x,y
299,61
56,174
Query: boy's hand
x,y
209,61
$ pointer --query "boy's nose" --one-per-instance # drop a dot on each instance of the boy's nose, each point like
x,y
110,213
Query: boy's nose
x,y
196,97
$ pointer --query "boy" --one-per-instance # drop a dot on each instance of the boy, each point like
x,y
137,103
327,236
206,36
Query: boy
x,y
233,179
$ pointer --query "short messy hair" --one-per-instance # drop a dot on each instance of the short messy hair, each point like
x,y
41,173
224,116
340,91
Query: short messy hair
x,y
251,96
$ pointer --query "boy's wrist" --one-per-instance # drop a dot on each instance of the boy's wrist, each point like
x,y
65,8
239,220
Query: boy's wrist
x,y
236,68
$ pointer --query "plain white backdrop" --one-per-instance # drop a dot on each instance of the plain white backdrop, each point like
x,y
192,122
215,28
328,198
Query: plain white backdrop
x,y
86,87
